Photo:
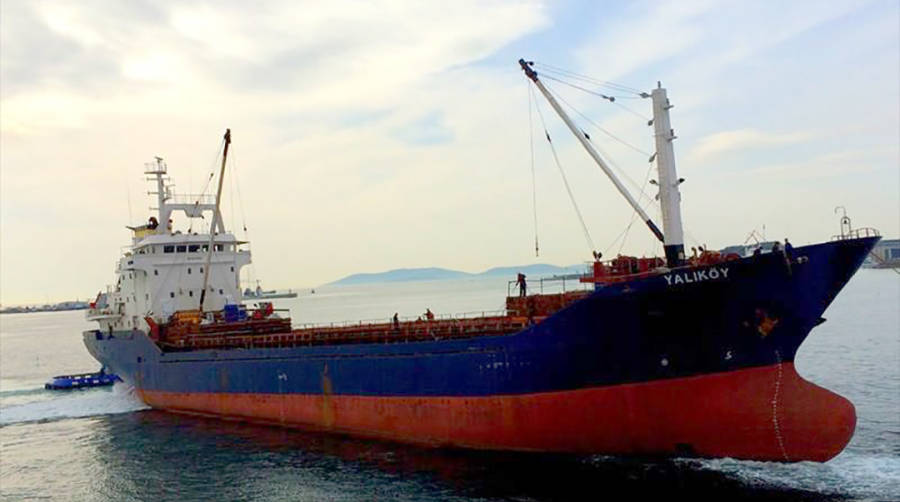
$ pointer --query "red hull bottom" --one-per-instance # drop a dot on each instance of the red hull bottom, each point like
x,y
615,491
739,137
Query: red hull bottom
x,y
767,413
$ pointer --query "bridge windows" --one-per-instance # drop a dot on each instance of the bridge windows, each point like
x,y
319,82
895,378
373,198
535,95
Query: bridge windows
x,y
168,249
181,249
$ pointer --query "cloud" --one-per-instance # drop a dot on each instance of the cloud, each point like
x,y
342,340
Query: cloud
x,y
721,143
282,57
317,99
655,31
698,46
35,56
825,165
383,134
428,130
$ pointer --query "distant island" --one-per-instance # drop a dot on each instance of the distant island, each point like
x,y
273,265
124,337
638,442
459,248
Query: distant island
x,y
54,307
436,274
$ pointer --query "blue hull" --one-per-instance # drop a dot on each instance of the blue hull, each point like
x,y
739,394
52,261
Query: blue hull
x,y
628,332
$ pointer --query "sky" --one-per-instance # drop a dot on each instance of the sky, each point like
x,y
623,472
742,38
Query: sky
x,y
375,135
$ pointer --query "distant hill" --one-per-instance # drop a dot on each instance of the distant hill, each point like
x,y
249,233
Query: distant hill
x,y
402,275
536,269
436,274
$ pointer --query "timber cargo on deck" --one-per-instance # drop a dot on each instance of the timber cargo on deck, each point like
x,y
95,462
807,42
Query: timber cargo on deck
x,y
673,355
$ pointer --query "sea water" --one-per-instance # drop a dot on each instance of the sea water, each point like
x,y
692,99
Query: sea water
x,y
104,444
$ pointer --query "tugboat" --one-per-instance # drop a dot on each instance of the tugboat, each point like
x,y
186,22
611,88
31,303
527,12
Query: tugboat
x,y
82,380
666,356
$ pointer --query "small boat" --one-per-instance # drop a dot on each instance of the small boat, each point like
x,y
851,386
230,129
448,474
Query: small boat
x,y
268,294
260,293
99,379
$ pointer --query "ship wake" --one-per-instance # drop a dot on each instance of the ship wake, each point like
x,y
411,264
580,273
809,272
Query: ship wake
x,y
850,474
77,404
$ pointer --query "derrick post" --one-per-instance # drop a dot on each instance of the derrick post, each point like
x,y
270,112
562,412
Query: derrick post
x,y
669,195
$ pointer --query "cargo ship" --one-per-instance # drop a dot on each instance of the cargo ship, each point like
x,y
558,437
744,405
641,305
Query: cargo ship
x,y
670,356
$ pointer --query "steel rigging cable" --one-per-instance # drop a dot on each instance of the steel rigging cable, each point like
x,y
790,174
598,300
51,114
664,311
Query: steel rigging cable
x,y
533,180
604,131
587,234
605,83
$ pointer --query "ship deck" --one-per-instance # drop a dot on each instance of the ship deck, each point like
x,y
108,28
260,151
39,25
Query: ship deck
x,y
521,312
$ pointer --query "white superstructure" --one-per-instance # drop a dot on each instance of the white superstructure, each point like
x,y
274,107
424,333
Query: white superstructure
x,y
163,270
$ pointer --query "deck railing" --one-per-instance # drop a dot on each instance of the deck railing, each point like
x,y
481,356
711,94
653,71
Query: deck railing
x,y
857,233
550,285
476,314
191,199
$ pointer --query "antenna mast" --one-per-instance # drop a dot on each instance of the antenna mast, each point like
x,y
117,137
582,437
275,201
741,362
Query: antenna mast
x,y
215,221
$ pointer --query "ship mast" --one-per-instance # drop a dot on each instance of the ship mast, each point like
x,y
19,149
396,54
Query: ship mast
x,y
669,195
670,198
215,221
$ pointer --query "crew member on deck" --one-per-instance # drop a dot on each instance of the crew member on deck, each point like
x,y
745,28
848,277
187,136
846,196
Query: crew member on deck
x,y
396,322
520,281
788,253
429,315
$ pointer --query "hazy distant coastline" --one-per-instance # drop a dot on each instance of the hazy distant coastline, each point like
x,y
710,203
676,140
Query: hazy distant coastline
x,y
435,274
54,307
